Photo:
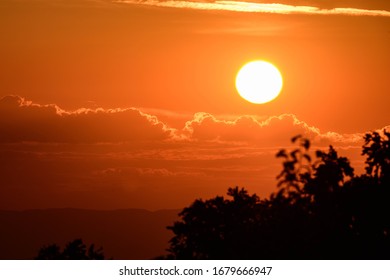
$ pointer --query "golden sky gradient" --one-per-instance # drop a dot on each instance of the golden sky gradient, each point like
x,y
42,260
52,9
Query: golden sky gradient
x,y
121,104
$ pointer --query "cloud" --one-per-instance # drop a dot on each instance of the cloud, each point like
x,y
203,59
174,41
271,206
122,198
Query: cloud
x,y
164,172
257,131
23,120
254,7
125,157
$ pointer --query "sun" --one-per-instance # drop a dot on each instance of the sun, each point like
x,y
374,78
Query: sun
x,y
259,82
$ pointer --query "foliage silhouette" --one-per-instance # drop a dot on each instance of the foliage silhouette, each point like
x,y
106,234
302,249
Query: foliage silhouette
x,y
321,210
377,149
74,250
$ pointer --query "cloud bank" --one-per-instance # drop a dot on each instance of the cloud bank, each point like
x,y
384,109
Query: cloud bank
x,y
254,7
25,121
127,157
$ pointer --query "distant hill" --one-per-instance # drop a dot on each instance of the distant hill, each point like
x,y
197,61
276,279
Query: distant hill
x,y
123,234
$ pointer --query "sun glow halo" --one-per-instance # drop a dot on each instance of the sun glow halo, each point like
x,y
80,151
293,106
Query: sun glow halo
x,y
259,82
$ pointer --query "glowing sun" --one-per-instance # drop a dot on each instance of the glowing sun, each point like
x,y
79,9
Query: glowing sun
x,y
259,82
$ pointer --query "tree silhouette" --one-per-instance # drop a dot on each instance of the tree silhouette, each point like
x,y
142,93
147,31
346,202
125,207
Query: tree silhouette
x,y
208,226
377,149
74,250
321,210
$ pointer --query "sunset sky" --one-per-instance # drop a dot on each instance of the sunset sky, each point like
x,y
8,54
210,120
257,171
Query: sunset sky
x,y
132,104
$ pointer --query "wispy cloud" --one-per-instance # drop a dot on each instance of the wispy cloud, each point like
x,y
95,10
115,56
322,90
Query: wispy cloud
x,y
253,7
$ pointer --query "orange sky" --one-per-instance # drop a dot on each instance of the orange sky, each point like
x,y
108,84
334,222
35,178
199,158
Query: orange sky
x,y
171,126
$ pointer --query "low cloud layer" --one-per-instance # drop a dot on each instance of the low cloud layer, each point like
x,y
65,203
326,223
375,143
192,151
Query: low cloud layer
x,y
23,120
254,7
26,121
260,131
126,157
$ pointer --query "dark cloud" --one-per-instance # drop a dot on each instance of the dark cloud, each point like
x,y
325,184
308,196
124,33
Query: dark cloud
x,y
121,158
264,132
25,121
